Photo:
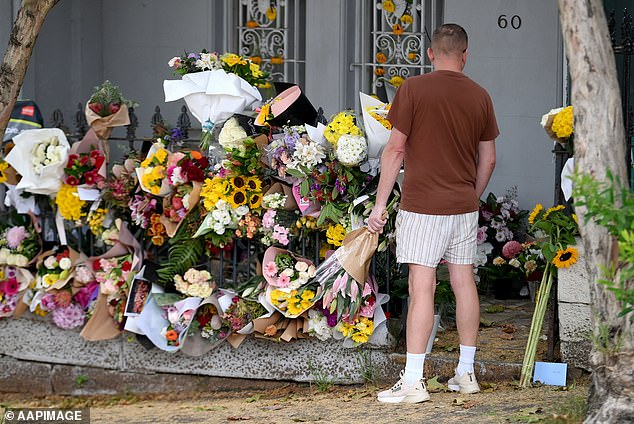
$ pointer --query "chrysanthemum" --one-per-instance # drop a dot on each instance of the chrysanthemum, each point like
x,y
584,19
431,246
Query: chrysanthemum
x,y
565,258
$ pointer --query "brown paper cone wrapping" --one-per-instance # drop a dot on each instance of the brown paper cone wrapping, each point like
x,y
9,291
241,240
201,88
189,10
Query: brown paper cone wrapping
x,y
290,204
103,124
100,326
172,227
356,253
235,339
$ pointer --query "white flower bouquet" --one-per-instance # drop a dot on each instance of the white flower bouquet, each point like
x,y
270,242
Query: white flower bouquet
x,y
375,129
351,149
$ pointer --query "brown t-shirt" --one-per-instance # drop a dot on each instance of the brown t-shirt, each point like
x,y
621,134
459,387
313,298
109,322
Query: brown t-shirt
x,y
444,115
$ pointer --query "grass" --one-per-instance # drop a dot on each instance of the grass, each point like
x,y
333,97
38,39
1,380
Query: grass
x,y
367,368
320,377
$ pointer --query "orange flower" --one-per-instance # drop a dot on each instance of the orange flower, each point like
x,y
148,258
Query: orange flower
x,y
381,57
196,154
411,55
252,24
270,330
256,59
171,335
379,72
277,60
397,29
158,240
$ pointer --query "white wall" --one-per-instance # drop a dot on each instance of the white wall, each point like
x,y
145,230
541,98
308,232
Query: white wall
x,y
521,69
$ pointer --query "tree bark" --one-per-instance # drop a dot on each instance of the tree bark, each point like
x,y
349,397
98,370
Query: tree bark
x,y
599,148
16,59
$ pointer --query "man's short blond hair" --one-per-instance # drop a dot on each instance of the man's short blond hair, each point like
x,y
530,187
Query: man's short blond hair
x,y
449,39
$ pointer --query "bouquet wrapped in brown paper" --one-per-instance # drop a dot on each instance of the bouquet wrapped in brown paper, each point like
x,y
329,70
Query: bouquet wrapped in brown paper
x,y
107,109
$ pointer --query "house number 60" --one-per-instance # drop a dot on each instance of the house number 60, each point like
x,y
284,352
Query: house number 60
x,y
515,21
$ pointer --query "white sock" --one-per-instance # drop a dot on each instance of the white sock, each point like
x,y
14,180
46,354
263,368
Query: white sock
x,y
414,368
467,358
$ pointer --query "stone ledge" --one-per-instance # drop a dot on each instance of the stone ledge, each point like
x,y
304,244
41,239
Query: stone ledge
x,y
577,353
574,321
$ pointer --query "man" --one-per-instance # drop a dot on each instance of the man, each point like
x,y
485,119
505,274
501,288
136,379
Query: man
x,y
444,132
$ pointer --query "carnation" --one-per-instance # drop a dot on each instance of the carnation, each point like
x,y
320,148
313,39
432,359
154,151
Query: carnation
x,y
318,325
15,236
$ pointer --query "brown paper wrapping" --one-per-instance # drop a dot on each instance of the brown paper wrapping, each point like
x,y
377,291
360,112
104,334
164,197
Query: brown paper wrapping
x,y
290,204
286,329
172,227
101,326
103,124
356,253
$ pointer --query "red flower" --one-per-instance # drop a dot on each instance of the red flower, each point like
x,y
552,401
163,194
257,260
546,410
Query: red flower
x,y
96,265
83,161
96,107
71,160
203,319
71,180
91,177
114,107
126,266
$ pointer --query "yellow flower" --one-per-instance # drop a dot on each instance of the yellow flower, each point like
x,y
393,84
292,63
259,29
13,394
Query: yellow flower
x,y
158,172
255,70
553,209
565,258
411,55
255,201
254,184
396,81
39,311
233,59
379,72
264,114
271,13
3,167
360,338
277,60
161,155
563,123
238,198
335,234
388,6
407,19
308,294
50,279
397,29
381,57
69,204
535,213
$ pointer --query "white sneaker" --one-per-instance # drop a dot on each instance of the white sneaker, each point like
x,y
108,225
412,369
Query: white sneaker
x,y
465,384
402,393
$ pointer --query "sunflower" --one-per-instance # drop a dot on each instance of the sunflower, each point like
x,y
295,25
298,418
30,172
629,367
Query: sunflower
x,y
238,182
254,184
238,198
535,213
553,209
565,258
255,201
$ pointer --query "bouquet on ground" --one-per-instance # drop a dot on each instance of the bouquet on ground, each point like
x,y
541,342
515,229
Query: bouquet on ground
x,y
276,222
13,282
106,109
40,156
18,245
195,283
209,324
115,275
119,186
240,312
86,166
62,306
54,268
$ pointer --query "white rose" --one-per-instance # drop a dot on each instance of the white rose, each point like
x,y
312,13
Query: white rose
x,y
50,262
288,272
242,210
219,228
229,135
65,263
304,276
301,266
21,260
515,263
312,271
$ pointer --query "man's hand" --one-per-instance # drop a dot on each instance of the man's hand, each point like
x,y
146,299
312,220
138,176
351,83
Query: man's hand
x,y
376,222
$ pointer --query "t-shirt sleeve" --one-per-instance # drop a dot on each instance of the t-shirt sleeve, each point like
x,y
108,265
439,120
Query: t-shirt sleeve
x,y
400,114
491,130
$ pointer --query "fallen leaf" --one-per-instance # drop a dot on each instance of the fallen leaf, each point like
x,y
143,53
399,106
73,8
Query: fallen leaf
x,y
459,401
434,386
239,418
506,336
494,309
485,386
485,322
509,328
253,398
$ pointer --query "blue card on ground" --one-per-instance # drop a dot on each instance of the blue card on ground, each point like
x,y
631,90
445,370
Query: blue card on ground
x,y
553,374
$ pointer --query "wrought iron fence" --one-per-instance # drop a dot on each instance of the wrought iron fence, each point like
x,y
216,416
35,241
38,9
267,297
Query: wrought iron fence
x,y
231,266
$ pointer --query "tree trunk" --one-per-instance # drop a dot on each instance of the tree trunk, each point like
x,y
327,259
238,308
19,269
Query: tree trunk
x,y
600,147
16,59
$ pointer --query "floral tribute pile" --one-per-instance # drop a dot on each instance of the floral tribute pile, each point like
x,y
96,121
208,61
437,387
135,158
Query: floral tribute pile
x,y
159,221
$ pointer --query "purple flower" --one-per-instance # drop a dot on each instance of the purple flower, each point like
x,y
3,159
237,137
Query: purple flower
x,y
87,294
341,187
176,134
193,56
69,317
315,187
15,236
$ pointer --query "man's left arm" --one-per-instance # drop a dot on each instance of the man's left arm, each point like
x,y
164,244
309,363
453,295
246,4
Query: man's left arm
x,y
486,165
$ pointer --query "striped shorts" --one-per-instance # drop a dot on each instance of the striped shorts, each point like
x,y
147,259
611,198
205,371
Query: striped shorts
x,y
426,239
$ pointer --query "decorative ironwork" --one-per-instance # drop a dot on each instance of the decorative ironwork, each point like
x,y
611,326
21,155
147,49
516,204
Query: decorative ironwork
x,y
183,122
81,124
399,40
269,33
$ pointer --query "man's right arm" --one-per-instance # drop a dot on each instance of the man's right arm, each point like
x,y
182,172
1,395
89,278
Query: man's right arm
x,y
391,161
